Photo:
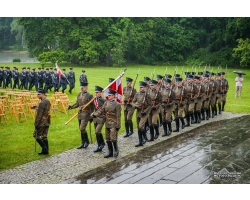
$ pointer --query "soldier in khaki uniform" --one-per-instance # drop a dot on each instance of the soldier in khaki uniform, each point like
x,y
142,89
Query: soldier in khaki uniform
x,y
199,98
83,115
191,97
225,88
155,96
208,94
214,86
99,121
112,110
129,93
42,122
168,107
220,92
181,101
142,102
160,84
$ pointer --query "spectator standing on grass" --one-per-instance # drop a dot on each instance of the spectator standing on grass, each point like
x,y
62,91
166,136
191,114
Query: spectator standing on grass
x,y
239,79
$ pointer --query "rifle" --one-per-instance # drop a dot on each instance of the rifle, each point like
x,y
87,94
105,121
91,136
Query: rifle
x,y
170,92
182,93
153,75
90,133
157,93
166,71
130,94
95,97
143,105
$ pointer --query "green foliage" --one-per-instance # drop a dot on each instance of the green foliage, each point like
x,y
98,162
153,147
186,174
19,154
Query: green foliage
x,y
52,57
16,60
242,52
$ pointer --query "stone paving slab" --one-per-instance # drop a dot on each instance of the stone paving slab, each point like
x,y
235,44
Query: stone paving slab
x,y
72,163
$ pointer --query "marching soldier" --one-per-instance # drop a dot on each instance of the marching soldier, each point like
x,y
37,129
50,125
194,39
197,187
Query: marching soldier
x,y
40,78
160,86
47,79
220,92
32,79
8,77
100,120
129,93
22,77
83,115
15,76
225,86
42,122
55,80
71,79
2,77
142,102
181,102
63,80
208,95
83,77
168,107
214,87
199,99
155,96
112,109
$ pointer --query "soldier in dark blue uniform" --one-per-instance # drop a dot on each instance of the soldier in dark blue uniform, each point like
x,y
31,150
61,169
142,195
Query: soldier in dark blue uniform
x,y
1,77
27,78
47,79
83,77
63,80
40,78
51,72
71,79
32,79
55,80
15,76
8,77
22,77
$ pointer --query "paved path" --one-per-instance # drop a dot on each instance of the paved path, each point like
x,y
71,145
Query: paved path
x,y
61,168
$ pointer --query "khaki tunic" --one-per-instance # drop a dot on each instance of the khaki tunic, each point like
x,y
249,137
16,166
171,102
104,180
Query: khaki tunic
x,y
100,120
139,99
191,96
84,115
168,104
112,110
208,94
129,94
180,100
225,89
200,96
214,92
220,91
42,120
155,109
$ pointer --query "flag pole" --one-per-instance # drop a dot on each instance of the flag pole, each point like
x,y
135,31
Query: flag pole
x,y
121,75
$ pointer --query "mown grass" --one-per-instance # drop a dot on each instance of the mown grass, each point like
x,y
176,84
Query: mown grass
x,y
16,139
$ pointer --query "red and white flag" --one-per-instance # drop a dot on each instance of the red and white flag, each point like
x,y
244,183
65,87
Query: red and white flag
x,y
58,72
116,85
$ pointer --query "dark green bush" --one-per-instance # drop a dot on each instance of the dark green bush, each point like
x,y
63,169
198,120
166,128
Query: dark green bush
x,y
16,60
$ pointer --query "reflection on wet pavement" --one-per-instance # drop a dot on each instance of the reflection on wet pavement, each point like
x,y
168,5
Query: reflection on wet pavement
x,y
214,153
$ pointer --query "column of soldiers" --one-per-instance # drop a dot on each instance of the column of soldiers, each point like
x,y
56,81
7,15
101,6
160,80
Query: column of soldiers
x,y
42,79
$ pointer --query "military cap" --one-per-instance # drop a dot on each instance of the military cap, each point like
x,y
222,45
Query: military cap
x,y
178,79
39,67
111,92
200,73
211,73
14,67
197,77
70,68
186,73
218,74
159,77
177,75
153,82
207,72
146,78
42,67
189,76
129,79
111,80
84,84
24,68
1,67
40,91
6,67
28,68
55,69
167,81
168,75
206,76
83,71
192,73
47,68
64,69
143,84
34,69
222,73
51,68
98,89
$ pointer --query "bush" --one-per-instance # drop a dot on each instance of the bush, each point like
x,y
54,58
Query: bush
x,y
16,60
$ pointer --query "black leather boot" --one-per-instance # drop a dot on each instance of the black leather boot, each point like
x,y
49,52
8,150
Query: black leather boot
x,y
130,125
83,140
86,143
202,114
102,143
165,129
151,128
219,106
127,129
144,137
192,119
177,125
207,113
223,105
98,144
188,119
215,110
198,117
156,131
182,123
46,142
195,117
43,145
169,128
110,149
140,139
160,117
116,152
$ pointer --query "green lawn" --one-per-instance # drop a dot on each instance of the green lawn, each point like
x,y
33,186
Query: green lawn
x,y
17,143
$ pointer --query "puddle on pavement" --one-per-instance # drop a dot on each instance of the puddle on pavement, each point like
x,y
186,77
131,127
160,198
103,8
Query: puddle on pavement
x,y
224,155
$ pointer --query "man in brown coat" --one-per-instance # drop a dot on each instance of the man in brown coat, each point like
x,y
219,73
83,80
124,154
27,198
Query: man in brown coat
x,y
83,98
42,122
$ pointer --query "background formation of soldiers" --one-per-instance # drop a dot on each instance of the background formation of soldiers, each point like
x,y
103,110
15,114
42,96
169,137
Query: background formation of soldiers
x,y
46,79
184,100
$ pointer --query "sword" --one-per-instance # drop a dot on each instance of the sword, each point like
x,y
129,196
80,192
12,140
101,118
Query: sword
x,y
90,133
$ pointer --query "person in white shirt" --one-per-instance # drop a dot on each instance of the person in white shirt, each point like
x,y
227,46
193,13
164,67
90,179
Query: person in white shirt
x,y
238,80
